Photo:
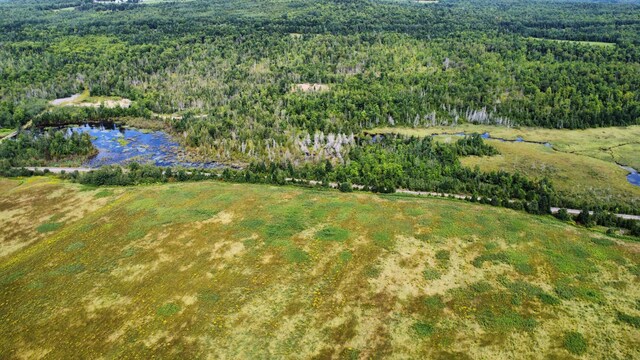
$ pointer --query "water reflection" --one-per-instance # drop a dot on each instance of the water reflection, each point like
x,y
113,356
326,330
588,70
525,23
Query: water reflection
x,y
121,145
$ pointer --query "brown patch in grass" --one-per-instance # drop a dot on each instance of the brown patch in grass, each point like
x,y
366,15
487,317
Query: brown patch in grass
x,y
307,87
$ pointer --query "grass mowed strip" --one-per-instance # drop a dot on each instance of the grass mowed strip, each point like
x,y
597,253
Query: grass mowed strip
x,y
249,271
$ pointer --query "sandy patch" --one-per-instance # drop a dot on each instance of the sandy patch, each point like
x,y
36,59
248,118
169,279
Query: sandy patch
x,y
223,217
401,271
226,250
102,302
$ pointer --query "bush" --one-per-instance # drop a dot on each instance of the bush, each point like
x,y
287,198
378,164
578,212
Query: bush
x,y
423,329
443,255
575,343
563,215
345,186
629,319
431,274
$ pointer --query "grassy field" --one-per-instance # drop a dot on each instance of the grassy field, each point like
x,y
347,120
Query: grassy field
x,y
580,162
216,270
571,174
613,144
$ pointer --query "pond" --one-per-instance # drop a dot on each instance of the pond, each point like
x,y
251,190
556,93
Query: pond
x,y
118,145
633,177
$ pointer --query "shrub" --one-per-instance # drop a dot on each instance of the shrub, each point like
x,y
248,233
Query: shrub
x,y
443,255
345,187
575,343
431,274
629,319
563,215
423,329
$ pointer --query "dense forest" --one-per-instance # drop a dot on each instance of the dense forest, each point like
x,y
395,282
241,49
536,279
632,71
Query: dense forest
x,y
30,148
237,77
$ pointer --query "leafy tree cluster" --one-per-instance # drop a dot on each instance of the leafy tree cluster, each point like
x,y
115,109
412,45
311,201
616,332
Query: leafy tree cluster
x,y
473,145
35,148
136,174
420,164
601,217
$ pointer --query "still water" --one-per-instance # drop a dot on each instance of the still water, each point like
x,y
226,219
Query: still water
x,y
122,145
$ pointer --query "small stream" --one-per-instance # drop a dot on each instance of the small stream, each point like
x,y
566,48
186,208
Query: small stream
x,y
118,145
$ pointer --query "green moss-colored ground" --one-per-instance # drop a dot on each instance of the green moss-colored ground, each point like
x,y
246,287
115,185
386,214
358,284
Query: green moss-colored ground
x,y
215,270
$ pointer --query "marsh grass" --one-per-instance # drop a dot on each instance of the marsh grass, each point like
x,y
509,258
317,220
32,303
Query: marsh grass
x,y
304,273
581,163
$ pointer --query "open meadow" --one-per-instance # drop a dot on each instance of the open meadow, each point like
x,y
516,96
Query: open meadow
x,y
579,163
218,270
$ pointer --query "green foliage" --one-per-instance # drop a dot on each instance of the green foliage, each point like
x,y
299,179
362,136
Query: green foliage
x,y
602,241
548,299
345,187
505,320
443,255
75,246
32,149
168,309
575,343
434,303
430,273
69,269
208,296
474,146
295,255
567,291
48,227
629,319
481,286
423,329
103,193
332,233
383,239
498,257
563,215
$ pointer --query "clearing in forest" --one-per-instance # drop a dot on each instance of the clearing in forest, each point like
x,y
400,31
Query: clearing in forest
x,y
307,87
85,100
